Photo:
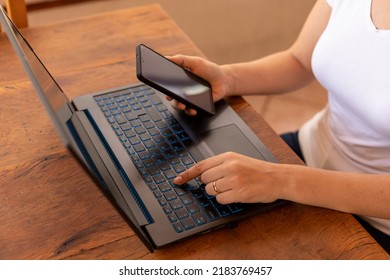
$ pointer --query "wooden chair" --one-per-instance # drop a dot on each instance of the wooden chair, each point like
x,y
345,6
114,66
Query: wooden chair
x,y
17,11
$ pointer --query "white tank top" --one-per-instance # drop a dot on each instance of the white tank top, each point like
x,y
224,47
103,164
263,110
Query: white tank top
x,y
352,61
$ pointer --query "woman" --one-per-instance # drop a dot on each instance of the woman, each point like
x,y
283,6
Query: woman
x,y
345,45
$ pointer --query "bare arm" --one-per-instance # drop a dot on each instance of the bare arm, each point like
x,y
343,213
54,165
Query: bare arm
x,y
362,194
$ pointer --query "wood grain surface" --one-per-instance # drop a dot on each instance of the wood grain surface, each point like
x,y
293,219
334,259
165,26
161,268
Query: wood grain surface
x,y
50,208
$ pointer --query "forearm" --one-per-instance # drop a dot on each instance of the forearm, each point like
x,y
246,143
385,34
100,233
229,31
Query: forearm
x,y
362,194
278,73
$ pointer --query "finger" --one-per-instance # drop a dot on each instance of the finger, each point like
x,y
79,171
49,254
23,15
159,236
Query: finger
x,y
216,187
214,173
178,105
187,62
182,107
191,112
178,59
197,170
225,198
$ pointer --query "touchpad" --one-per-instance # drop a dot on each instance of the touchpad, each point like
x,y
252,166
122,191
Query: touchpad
x,y
230,139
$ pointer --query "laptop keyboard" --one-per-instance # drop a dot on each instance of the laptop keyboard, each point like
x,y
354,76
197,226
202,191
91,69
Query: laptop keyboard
x,y
157,145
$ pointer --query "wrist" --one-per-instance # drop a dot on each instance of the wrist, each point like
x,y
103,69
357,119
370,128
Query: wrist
x,y
293,177
229,80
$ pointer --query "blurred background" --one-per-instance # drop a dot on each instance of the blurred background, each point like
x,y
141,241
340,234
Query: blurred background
x,y
226,31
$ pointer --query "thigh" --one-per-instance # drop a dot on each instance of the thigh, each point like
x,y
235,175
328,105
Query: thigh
x,y
380,237
291,138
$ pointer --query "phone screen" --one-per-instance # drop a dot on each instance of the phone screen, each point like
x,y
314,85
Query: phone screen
x,y
171,79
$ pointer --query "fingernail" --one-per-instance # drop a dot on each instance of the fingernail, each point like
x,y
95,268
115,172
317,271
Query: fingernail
x,y
177,180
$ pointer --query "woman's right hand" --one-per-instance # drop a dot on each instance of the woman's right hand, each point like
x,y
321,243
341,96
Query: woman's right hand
x,y
205,69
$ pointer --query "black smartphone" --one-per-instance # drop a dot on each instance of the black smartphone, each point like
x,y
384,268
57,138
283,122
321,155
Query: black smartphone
x,y
173,80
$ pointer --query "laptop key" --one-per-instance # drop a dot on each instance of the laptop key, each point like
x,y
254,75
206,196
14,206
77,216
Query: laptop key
x,y
193,208
188,223
170,195
167,209
200,219
170,174
154,115
157,193
178,227
159,180
197,192
202,201
174,160
155,99
179,168
181,213
120,119
164,187
210,212
187,199
223,210
187,161
180,191
235,207
130,133
152,186
131,116
162,201
175,205
172,217
192,185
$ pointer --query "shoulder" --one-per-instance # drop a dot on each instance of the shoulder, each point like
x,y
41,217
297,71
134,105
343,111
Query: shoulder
x,y
330,2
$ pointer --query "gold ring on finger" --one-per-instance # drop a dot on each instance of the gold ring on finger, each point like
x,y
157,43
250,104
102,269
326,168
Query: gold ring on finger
x,y
215,187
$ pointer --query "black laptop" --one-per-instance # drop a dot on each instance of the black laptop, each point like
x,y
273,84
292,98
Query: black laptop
x,y
134,143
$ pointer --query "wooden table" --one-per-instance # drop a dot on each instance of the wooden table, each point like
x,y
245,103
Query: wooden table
x,y
51,209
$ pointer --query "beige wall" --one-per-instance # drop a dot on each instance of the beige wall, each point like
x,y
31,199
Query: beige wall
x,y
225,30
237,30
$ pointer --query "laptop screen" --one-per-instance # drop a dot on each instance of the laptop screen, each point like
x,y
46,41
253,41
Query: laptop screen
x,y
52,96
